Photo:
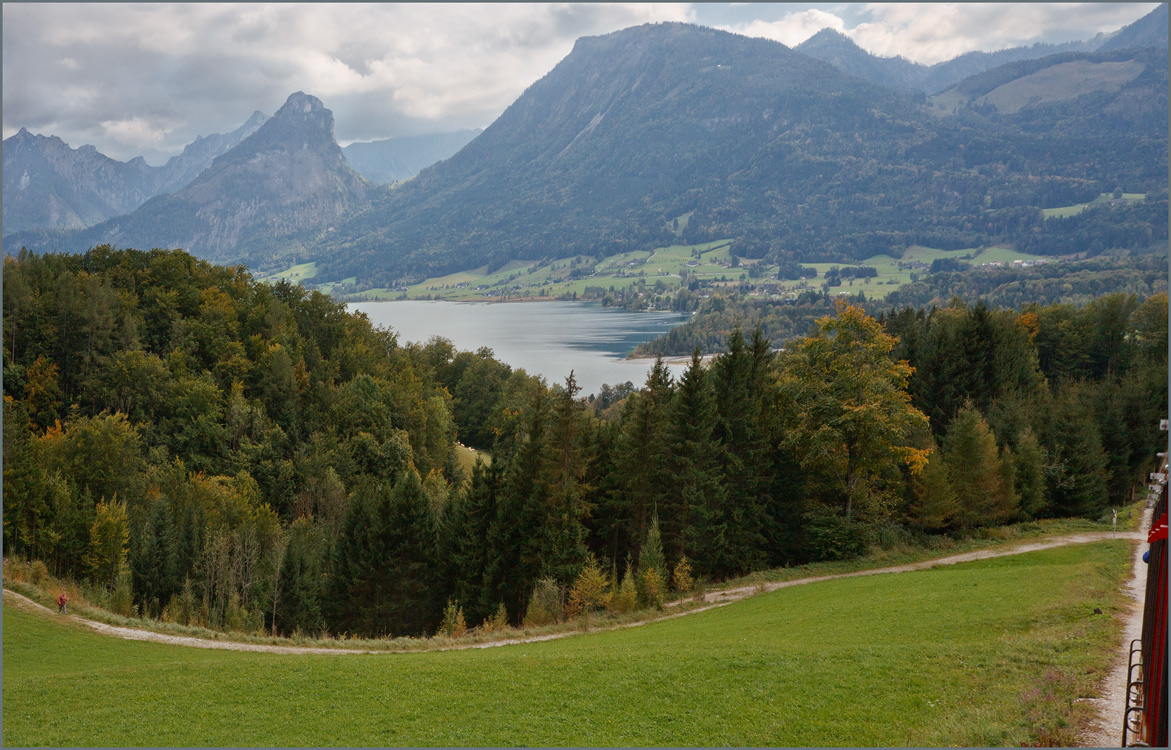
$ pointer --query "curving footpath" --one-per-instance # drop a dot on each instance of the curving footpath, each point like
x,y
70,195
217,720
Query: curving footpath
x,y
1107,730
714,599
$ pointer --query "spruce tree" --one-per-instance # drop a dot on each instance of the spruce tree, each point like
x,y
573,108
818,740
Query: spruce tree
x,y
1078,488
650,556
1030,475
561,541
694,513
975,470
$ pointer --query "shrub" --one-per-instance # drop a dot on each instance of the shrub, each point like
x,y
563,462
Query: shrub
x,y
496,622
682,579
652,586
830,536
589,591
545,605
626,598
37,572
453,625
122,600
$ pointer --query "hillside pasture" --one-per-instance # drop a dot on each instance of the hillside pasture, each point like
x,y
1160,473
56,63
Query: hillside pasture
x,y
994,652
1062,212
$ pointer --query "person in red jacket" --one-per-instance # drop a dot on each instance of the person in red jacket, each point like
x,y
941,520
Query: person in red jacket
x,y
61,599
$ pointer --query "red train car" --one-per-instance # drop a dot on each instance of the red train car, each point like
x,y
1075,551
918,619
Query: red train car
x,y
1145,722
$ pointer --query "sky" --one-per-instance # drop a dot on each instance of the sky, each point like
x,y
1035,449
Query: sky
x,y
146,79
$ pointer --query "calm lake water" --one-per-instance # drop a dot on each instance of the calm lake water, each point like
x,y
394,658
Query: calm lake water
x,y
543,338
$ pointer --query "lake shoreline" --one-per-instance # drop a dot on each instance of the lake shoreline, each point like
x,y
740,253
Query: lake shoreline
x,y
550,340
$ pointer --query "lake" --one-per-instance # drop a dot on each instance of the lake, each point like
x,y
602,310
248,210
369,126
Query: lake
x,y
542,338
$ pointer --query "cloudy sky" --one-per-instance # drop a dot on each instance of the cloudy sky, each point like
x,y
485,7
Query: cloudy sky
x,y
147,79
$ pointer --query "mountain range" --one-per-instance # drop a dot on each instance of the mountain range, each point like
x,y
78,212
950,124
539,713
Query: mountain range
x,y
839,50
49,185
672,133
288,176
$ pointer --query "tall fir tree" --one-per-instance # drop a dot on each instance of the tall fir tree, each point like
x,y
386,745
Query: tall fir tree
x,y
694,512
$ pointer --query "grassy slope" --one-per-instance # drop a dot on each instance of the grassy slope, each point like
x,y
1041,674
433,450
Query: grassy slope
x,y
665,264
885,660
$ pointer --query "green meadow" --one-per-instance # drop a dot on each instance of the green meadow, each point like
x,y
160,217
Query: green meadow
x,y
995,652
662,269
1062,212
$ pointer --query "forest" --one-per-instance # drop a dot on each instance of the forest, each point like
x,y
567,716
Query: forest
x,y
721,309
211,450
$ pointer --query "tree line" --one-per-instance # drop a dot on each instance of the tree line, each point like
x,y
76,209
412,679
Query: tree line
x,y
217,451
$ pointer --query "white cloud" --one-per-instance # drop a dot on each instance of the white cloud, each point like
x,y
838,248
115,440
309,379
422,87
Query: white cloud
x,y
384,69
791,30
931,33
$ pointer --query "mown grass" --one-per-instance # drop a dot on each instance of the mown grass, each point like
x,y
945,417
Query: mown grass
x,y
1063,212
986,653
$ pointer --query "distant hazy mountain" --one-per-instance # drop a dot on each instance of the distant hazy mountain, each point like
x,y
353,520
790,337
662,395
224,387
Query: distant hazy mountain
x,y
48,185
197,155
395,159
839,50
1126,83
1148,31
287,177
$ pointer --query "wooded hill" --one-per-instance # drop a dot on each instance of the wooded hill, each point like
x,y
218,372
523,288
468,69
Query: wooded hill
x,y
213,450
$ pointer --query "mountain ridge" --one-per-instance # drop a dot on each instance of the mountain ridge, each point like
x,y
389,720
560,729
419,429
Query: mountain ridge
x,y
48,185
287,176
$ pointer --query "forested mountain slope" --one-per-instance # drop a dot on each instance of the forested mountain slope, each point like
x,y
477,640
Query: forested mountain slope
x,y
671,127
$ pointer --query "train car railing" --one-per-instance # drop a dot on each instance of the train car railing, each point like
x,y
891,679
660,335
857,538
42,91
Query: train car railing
x,y
1144,723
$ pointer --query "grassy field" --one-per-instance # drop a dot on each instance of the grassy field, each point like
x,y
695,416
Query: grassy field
x,y
986,653
663,268
298,273
1063,212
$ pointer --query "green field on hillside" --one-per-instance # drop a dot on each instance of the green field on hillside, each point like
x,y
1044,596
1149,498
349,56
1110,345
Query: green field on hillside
x,y
662,269
300,272
985,653
1063,212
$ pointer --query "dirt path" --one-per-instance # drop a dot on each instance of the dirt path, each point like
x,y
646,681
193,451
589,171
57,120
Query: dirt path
x,y
1057,541
1107,731
715,599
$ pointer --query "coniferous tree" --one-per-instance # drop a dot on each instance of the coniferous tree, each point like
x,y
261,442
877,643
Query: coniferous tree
x,y
514,568
651,555
641,459
1030,475
383,577
933,504
299,605
739,386
467,527
694,512
975,468
561,545
1078,486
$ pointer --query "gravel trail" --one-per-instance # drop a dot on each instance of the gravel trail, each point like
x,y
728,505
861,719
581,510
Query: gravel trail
x,y
715,599
1107,731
